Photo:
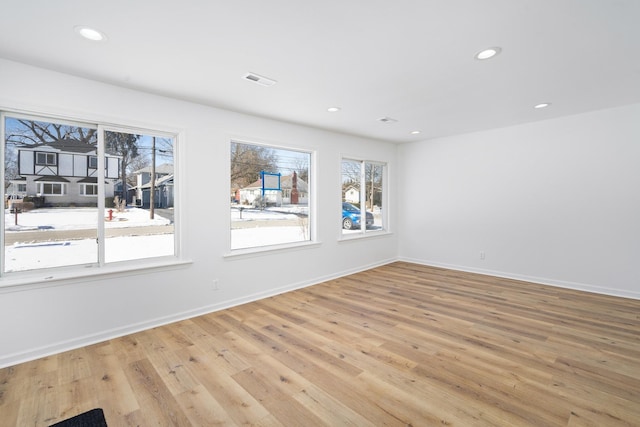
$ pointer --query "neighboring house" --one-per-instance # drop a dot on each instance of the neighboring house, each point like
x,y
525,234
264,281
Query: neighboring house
x,y
164,192
17,188
352,195
249,193
63,172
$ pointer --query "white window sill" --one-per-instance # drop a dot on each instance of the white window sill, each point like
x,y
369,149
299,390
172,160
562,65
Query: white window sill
x,y
250,252
350,237
20,281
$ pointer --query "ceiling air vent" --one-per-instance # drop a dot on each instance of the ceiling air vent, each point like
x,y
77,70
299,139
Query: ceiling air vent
x,y
261,80
386,120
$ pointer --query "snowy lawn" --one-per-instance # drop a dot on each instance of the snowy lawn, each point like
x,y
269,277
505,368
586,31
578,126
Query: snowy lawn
x,y
247,236
44,253
77,219
248,213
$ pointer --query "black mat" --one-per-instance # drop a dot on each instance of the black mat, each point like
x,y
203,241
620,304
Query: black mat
x,y
92,418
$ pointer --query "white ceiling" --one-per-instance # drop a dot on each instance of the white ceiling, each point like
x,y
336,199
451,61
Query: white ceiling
x,y
411,60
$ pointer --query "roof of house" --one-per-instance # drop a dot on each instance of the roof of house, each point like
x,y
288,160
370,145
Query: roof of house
x,y
72,146
89,180
52,178
69,146
165,168
160,182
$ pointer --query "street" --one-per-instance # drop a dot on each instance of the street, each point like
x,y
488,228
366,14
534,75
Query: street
x,y
56,235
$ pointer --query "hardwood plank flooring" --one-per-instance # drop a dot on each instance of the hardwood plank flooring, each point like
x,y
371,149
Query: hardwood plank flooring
x,y
398,345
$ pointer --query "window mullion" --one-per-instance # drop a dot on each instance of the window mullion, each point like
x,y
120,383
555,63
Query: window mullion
x,y
363,197
3,184
101,196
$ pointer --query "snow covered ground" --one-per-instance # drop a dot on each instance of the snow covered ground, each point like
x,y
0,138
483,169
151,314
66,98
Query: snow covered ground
x,y
294,227
77,219
85,251
249,228
45,253
247,213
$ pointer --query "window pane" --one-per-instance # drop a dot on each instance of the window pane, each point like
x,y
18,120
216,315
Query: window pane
x,y
89,190
139,214
269,196
52,225
351,196
374,182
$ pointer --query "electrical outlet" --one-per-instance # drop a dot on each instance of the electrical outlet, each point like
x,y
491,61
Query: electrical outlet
x,y
482,254
214,284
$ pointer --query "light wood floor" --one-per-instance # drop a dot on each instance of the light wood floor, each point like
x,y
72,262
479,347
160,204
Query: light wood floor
x,y
397,345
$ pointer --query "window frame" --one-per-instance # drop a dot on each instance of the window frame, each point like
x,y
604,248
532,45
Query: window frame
x,y
312,198
93,162
363,232
41,188
83,189
46,155
52,275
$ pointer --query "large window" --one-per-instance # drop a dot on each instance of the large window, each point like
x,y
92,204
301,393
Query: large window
x,y
270,196
363,198
89,189
90,195
50,188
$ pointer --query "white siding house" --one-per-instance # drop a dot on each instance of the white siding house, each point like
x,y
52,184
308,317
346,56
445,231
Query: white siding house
x,y
63,172
163,186
352,195
281,197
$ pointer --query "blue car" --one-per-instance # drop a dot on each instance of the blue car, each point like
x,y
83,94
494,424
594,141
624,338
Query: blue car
x,y
351,217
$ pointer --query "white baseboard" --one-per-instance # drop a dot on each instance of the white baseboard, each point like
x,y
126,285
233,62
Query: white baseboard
x,y
62,346
533,279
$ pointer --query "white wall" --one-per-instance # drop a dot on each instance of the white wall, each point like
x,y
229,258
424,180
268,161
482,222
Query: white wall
x,y
40,319
555,202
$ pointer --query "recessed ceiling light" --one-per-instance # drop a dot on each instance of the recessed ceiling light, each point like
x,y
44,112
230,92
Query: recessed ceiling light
x,y
542,105
90,33
488,53
415,132
333,109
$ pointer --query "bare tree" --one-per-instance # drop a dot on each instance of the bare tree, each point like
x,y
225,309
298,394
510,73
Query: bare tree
x,y
22,133
247,161
351,177
373,183
126,146
301,166
136,164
